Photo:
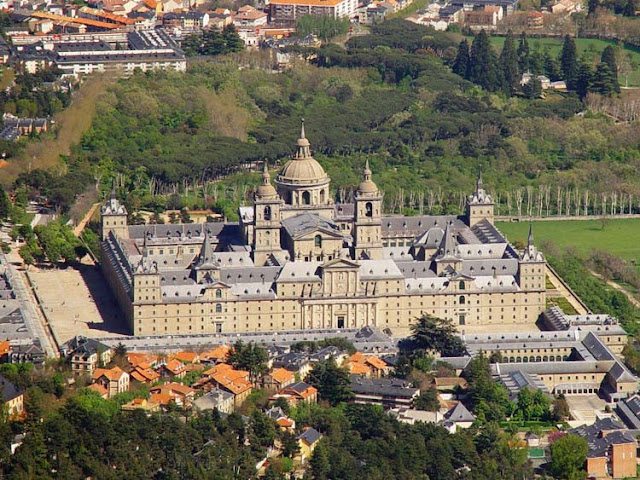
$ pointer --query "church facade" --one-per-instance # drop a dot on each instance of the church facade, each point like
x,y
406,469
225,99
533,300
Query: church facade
x,y
296,260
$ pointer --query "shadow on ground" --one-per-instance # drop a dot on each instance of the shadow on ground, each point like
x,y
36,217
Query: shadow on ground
x,y
113,318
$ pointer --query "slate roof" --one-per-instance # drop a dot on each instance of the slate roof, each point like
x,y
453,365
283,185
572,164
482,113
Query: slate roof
x,y
459,413
307,223
9,390
386,387
629,411
310,436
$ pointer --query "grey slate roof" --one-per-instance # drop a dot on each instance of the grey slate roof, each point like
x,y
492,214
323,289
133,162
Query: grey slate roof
x,y
310,436
460,413
9,390
629,411
386,387
308,222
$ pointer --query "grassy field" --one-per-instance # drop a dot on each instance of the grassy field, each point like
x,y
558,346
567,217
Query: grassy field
x,y
592,47
617,237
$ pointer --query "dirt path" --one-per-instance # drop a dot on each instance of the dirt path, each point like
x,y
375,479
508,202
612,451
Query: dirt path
x,y
617,287
86,219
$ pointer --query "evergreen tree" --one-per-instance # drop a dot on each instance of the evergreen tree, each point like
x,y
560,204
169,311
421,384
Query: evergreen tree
x,y
584,78
629,9
593,4
509,66
482,63
533,88
604,80
536,62
551,67
461,63
523,53
332,381
569,62
5,204
609,57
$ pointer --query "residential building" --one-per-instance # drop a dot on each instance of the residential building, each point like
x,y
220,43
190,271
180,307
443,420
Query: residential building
x,y
287,11
144,373
612,449
225,377
277,379
173,369
296,260
114,380
459,417
141,404
367,366
298,392
185,20
147,50
486,17
86,354
387,392
250,17
181,394
307,441
12,398
217,399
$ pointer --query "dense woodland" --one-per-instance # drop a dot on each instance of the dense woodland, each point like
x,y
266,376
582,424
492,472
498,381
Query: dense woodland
x,y
390,97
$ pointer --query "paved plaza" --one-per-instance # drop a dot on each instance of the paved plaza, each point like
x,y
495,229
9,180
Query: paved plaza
x,y
77,301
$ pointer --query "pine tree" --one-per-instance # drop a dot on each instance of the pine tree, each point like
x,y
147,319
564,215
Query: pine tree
x,y
569,62
461,63
604,80
523,53
533,88
5,204
509,65
482,63
551,67
584,78
629,9
609,57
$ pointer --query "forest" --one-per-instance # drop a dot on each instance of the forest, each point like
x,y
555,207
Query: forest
x,y
390,97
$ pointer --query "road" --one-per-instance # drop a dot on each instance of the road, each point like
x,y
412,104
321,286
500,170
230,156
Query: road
x,y
33,317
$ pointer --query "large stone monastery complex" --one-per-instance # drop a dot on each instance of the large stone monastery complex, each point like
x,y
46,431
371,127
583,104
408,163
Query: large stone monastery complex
x,y
298,261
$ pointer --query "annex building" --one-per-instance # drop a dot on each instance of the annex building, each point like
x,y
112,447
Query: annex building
x,y
296,260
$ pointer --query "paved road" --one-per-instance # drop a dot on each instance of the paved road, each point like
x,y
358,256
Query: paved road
x,y
32,316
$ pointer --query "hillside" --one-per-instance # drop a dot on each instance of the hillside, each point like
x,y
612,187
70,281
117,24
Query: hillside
x,y
389,96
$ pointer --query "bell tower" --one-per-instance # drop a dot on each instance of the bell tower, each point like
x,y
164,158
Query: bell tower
x,y
368,219
267,203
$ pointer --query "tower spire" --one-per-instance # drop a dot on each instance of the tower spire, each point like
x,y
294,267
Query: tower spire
x,y
367,172
530,237
303,145
266,178
479,186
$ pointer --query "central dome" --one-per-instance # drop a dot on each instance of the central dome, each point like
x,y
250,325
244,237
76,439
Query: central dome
x,y
302,169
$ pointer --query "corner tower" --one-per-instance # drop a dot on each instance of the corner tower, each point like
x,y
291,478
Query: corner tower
x,y
368,223
479,204
531,268
114,217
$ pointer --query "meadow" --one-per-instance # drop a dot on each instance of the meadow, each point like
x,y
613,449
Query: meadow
x,y
616,236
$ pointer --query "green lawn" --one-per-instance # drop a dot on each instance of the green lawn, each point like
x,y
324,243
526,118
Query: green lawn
x,y
618,236
593,47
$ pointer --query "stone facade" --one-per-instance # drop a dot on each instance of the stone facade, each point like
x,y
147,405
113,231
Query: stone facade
x,y
298,260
